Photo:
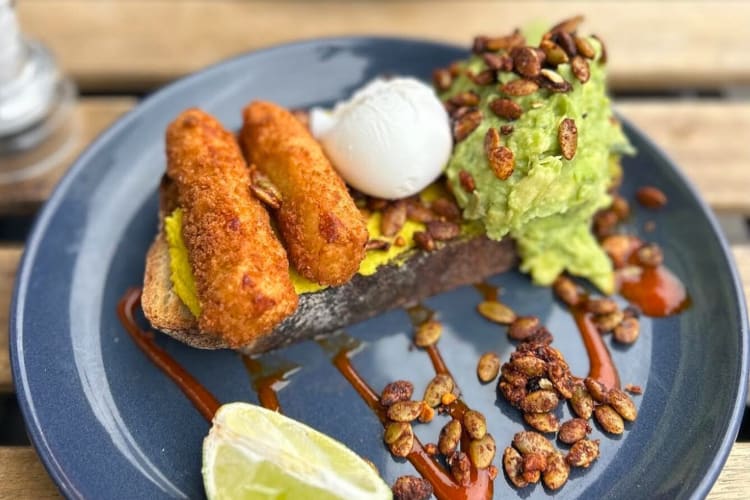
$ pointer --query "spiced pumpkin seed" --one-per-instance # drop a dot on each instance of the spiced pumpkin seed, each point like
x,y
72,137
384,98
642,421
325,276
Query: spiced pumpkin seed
x,y
525,61
488,367
596,389
399,437
540,402
628,331
532,442
580,68
582,402
475,424
530,366
567,291
450,436
567,137
524,327
519,88
554,53
556,473
400,390
609,419
583,453
496,312
573,430
428,333
513,466
502,161
505,108
482,451
439,385
542,422
584,47
405,411
607,322
622,404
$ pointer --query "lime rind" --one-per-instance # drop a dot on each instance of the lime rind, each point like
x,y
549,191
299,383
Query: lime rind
x,y
252,452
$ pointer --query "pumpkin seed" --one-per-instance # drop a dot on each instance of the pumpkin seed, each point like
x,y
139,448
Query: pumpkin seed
x,y
488,367
496,312
475,424
399,437
609,419
513,466
450,435
405,411
482,451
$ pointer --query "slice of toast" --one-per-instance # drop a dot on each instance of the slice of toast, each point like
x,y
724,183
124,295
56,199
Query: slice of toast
x,y
422,274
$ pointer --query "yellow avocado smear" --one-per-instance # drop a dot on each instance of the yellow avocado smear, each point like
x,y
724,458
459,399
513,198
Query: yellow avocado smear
x,y
184,282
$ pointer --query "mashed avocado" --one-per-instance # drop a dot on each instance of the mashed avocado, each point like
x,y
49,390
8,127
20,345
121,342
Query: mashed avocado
x,y
548,202
184,282
182,276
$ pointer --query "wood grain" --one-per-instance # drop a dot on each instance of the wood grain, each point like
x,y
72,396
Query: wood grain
x,y
9,258
734,481
702,136
139,44
23,477
92,116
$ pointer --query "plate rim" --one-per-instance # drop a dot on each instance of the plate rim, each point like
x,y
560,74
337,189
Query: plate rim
x,y
49,208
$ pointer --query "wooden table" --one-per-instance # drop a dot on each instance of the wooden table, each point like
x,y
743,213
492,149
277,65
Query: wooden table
x,y
691,60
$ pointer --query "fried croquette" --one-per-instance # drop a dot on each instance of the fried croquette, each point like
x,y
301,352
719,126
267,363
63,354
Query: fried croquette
x,y
241,270
323,231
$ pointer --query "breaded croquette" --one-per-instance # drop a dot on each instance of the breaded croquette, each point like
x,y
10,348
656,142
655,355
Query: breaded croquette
x,y
241,270
322,229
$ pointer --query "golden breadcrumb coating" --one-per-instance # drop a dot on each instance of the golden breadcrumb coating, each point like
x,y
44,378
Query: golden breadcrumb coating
x,y
322,229
241,270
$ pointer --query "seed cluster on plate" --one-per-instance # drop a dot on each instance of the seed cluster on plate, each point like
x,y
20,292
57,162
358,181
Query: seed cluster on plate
x,y
537,379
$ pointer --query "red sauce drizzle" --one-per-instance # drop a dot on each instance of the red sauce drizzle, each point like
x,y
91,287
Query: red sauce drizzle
x,y
488,291
267,380
601,366
203,400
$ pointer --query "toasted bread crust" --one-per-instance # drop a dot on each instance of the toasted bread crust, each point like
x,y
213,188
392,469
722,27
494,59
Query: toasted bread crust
x,y
459,262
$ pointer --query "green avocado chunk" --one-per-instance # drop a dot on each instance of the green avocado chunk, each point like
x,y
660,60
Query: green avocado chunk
x,y
547,204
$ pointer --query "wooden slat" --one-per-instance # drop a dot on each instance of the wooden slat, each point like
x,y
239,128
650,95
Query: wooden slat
x,y
696,133
23,477
92,116
9,257
138,44
734,481
703,136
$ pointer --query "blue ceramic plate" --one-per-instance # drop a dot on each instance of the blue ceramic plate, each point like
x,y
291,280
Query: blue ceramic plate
x,y
107,423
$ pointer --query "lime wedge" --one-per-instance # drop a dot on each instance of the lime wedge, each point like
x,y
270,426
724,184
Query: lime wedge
x,y
252,452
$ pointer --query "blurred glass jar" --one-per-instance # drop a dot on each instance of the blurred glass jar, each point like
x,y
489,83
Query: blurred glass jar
x,y
37,117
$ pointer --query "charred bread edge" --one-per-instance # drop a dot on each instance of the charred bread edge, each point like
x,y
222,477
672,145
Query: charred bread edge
x,y
458,262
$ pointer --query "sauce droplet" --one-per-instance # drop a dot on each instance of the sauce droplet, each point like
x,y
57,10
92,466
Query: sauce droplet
x,y
655,290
